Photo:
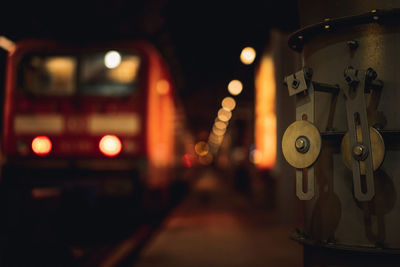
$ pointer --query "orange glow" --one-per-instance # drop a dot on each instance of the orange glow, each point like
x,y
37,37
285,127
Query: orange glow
x,y
162,87
235,87
265,128
224,115
110,145
160,121
220,125
217,131
201,148
228,103
7,44
248,55
41,145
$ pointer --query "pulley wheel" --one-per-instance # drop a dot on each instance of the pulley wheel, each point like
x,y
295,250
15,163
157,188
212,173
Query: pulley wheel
x,y
301,144
377,147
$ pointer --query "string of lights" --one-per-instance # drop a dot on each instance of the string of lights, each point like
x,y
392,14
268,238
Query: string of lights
x,y
207,150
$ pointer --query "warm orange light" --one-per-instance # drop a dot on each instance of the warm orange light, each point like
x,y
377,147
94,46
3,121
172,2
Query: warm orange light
x,y
235,87
201,148
162,87
248,55
41,145
224,115
220,125
265,128
110,145
160,123
217,131
228,103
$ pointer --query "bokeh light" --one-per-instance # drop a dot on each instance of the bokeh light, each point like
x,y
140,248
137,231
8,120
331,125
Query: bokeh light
x,y
235,87
228,103
218,131
162,87
224,115
201,148
110,145
112,59
248,55
220,124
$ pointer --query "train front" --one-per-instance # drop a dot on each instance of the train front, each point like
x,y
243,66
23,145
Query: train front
x,y
74,137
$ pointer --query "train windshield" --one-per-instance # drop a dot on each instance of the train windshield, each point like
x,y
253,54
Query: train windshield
x,y
109,73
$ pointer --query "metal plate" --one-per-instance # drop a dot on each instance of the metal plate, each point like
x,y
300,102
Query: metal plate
x,y
377,146
295,130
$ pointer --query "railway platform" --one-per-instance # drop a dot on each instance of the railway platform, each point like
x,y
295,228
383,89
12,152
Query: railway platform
x,y
217,226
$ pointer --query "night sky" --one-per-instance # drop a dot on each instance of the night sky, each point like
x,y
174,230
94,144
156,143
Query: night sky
x,y
201,40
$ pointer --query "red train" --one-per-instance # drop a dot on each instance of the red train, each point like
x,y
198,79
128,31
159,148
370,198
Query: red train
x,y
89,125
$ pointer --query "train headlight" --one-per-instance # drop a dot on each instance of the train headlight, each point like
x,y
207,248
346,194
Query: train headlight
x,y
41,145
110,145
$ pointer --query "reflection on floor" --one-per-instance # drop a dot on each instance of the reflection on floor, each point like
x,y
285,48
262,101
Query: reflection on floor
x,y
216,226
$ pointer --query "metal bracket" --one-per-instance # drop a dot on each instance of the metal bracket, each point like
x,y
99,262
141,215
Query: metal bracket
x,y
298,83
356,110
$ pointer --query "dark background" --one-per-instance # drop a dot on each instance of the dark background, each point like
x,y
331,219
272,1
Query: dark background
x,y
201,40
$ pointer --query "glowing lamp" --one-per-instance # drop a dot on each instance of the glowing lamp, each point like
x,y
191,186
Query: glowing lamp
x,y
235,87
248,55
41,145
112,59
110,145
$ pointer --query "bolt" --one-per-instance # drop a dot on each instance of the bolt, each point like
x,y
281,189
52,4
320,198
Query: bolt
x,y
371,74
360,152
295,84
353,44
308,72
302,144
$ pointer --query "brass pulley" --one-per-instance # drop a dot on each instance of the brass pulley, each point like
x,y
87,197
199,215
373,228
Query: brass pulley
x,y
301,144
359,152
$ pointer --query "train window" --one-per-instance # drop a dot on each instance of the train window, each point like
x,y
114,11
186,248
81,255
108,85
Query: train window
x,y
109,74
48,75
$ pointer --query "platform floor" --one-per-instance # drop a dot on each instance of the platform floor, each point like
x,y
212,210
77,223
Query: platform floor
x,y
216,226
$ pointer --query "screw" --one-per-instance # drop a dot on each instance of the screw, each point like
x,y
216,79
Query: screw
x,y
353,44
371,74
308,72
295,84
360,152
302,144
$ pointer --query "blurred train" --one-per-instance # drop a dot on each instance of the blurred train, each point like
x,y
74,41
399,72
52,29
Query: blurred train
x,y
93,133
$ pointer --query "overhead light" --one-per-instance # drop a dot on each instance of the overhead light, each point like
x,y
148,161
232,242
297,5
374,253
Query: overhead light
x,y
112,59
228,103
248,55
224,115
235,87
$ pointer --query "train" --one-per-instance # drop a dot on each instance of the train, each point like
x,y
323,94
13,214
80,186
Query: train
x,y
94,140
